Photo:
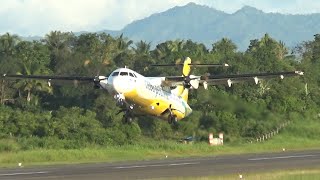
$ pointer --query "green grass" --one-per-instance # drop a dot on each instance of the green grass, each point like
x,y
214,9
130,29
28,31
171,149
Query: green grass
x,y
146,152
297,136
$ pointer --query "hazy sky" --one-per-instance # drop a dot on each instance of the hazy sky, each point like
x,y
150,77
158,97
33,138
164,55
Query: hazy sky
x,y
38,17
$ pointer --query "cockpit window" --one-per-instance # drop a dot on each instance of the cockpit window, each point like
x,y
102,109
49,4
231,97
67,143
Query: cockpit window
x,y
115,74
131,74
123,73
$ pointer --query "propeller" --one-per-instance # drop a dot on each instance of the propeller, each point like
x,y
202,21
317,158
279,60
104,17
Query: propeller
x,y
190,81
97,80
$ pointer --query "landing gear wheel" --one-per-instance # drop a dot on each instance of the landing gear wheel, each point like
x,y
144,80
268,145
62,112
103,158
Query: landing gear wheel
x,y
127,119
172,119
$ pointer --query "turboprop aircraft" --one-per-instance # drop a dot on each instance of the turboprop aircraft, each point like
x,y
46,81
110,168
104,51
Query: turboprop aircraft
x,y
163,97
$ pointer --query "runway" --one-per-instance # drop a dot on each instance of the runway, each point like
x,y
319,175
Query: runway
x,y
194,167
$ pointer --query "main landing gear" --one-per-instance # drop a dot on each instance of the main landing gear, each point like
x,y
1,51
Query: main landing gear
x,y
128,115
172,119
127,118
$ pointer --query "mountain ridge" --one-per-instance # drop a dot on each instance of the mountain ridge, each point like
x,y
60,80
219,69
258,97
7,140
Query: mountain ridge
x,y
206,25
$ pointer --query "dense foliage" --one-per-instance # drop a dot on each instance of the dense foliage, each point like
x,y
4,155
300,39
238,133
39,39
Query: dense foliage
x,y
78,115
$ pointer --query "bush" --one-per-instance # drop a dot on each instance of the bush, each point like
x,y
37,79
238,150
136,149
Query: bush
x,y
9,145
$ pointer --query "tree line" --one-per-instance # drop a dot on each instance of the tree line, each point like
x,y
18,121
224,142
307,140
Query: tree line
x,y
77,115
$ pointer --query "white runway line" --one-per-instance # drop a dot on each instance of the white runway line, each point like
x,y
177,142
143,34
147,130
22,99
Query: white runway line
x,y
281,157
156,165
24,173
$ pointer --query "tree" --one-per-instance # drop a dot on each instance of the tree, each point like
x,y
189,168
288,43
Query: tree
x,y
224,46
34,60
7,44
142,48
268,53
124,53
61,45
142,57
95,53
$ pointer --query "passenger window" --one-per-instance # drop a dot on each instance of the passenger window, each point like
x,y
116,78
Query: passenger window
x,y
115,74
123,73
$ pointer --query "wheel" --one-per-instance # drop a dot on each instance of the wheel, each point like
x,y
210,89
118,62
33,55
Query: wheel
x,y
172,119
127,119
120,103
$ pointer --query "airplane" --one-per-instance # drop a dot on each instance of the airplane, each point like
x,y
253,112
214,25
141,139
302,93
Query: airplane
x,y
162,97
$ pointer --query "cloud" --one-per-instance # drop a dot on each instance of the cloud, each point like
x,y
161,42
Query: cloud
x,y
38,17
280,6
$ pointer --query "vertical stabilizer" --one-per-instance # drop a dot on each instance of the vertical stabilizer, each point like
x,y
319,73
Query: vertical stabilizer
x,y
180,90
186,67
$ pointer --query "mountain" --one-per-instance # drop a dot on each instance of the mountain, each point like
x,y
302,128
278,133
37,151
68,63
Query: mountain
x,y
207,25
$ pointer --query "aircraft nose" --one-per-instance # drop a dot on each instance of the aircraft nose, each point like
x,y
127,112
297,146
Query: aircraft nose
x,y
122,85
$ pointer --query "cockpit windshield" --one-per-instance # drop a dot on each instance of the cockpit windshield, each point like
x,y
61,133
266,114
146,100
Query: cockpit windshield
x,y
131,74
115,74
123,73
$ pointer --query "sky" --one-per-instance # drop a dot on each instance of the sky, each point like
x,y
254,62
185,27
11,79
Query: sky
x,y
39,17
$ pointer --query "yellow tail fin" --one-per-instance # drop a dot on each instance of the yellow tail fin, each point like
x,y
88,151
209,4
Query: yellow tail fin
x,y
186,67
180,90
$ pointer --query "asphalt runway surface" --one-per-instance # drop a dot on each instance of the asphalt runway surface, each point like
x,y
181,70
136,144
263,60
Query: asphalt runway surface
x,y
168,168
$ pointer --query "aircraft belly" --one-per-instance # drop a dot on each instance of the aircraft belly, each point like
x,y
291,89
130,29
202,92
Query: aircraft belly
x,y
178,110
149,102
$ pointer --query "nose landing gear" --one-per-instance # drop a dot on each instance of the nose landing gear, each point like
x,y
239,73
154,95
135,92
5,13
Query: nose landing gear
x,y
125,107
120,99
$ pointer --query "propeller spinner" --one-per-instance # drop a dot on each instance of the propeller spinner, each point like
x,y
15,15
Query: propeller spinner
x,y
97,81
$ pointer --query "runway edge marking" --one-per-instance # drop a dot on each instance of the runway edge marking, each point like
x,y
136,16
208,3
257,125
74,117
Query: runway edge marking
x,y
156,165
24,173
281,157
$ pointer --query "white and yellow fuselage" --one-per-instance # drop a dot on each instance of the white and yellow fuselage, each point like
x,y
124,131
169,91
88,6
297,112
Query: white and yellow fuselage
x,y
146,95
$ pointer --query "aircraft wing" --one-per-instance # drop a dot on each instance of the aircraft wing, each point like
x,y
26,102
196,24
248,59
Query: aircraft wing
x,y
49,78
206,80
254,77
71,78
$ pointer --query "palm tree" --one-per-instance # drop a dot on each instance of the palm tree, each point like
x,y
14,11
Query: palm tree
x,y
34,59
142,48
60,45
124,53
224,46
30,86
123,43
282,50
7,43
